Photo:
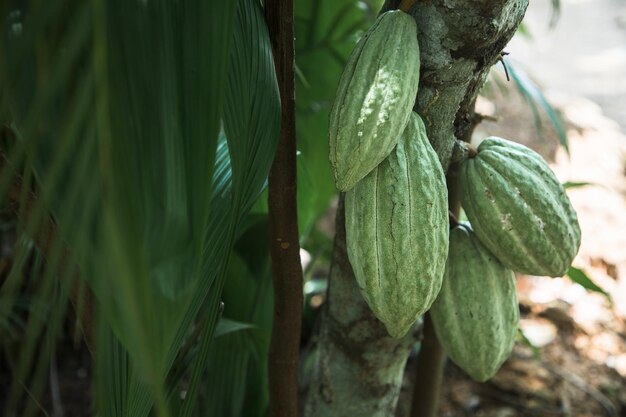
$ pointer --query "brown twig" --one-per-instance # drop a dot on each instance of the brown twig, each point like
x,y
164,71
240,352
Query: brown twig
x,y
429,374
501,59
478,117
454,222
283,222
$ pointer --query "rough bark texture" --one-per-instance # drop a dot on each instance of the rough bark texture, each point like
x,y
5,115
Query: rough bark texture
x,y
359,367
459,41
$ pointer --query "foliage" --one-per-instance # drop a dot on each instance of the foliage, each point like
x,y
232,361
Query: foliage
x,y
145,130
118,137
326,33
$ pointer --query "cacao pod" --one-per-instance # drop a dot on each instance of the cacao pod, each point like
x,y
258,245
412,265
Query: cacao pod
x,y
375,96
397,231
476,313
518,208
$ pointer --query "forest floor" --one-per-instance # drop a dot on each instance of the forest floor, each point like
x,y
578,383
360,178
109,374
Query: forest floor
x,y
578,365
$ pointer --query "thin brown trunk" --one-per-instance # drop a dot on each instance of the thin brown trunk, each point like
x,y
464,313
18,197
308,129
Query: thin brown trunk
x,y
283,220
429,374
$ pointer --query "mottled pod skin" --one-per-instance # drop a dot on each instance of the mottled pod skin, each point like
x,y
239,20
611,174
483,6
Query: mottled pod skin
x,y
476,313
375,96
518,208
397,231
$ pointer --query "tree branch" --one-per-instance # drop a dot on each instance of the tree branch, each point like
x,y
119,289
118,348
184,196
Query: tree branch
x,y
283,222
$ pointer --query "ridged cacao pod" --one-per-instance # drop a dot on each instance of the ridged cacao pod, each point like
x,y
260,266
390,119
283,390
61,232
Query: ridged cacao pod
x,y
397,231
374,99
476,313
518,208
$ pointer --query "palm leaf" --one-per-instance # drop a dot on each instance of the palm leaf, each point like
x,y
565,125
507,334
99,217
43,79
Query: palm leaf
x,y
132,106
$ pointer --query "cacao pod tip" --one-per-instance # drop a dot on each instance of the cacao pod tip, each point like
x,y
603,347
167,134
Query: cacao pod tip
x,y
476,313
396,231
396,331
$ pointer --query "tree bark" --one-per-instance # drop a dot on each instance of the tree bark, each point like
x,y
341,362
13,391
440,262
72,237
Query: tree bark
x,y
459,42
359,367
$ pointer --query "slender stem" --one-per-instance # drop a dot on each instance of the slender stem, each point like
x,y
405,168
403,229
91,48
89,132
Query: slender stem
x,y
429,374
283,221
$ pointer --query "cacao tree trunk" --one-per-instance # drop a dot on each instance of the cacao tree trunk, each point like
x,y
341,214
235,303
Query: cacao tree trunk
x,y
359,368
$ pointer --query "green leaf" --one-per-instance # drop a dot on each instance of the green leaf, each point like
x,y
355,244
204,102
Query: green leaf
x,y
523,30
555,13
536,100
252,107
226,326
235,359
251,116
160,95
570,184
526,341
118,106
580,277
237,381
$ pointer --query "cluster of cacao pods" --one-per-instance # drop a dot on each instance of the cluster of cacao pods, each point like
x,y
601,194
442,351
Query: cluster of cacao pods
x,y
522,221
396,199
404,256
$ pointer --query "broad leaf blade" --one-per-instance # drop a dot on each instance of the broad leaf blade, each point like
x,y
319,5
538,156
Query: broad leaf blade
x,y
252,109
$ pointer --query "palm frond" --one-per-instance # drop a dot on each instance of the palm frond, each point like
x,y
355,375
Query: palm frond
x,y
116,107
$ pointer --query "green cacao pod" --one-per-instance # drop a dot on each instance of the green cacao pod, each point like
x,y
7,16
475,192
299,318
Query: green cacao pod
x,y
518,208
476,313
374,99
397,231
